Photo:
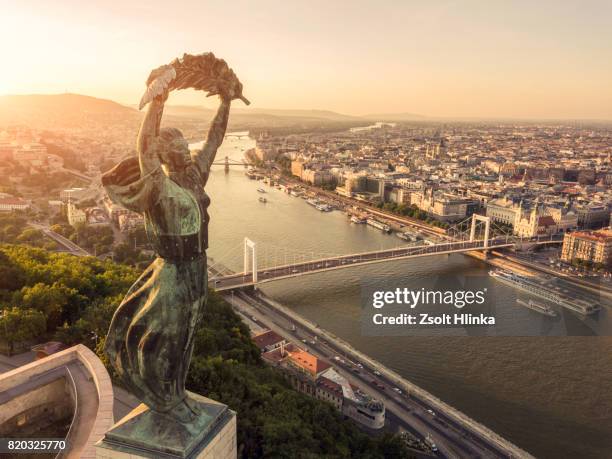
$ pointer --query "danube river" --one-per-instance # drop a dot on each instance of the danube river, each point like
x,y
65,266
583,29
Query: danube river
x,y
549,395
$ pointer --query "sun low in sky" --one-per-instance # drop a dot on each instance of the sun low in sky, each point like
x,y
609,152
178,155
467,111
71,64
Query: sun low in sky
x,y
524,59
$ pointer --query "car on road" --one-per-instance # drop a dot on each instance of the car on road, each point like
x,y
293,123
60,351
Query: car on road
x,y
377,373
295,271
431,412
398,390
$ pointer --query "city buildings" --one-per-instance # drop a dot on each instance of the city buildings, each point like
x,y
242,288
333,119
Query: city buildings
x,y
10,203
536,179
75,215
591,246
317,378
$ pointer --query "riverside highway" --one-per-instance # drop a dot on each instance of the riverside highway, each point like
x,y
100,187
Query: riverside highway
x,y
413,413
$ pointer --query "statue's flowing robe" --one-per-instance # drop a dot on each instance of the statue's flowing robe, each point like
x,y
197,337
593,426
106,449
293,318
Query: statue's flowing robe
x,y
151,336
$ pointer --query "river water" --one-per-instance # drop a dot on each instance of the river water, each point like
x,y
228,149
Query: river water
x,y
549,395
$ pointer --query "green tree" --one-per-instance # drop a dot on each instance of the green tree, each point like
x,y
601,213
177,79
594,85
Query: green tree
x,y
19,325
56,301
30,235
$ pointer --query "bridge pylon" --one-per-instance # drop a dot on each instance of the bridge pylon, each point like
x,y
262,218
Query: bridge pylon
x,y
250,258
487,222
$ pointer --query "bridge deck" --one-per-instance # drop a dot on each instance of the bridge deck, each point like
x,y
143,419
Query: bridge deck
x,y
309,267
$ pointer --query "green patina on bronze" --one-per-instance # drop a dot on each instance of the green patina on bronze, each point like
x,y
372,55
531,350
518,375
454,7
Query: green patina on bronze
x,y
150,340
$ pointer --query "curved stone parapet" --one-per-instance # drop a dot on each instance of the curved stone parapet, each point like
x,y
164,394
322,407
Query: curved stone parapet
x,y
78,375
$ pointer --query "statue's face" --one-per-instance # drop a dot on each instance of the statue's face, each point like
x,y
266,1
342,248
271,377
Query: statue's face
x,y
177,155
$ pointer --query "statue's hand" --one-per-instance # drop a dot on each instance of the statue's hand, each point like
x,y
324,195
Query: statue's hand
x,y
158,84
232,90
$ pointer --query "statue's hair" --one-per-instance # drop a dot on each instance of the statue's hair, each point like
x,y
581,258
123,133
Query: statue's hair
x,y
168,134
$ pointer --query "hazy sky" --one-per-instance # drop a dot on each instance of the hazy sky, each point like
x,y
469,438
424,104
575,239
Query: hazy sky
x,y
438,58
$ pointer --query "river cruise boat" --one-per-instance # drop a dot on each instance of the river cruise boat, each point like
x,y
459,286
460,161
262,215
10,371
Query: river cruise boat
x,y
357,220
323,207
261,190
538,307
541,289
380,225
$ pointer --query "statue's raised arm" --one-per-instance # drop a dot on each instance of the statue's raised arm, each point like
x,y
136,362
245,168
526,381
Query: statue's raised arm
x,y
216,132
157,94
204,72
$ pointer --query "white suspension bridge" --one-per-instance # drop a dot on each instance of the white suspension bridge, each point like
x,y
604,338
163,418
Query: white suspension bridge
x,y
270,263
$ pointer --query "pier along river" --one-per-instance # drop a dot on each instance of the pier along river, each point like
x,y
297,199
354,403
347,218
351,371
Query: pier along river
x,y
549,395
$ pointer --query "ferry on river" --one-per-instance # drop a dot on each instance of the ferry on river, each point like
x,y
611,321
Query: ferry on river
x,y
538,307
538,288
262,199
261,190
380,225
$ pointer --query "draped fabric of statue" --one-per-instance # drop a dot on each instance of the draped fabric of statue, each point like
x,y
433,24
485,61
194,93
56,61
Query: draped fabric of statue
x,y
151,336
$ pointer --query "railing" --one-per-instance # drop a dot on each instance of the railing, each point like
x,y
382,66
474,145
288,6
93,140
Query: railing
x,y
75,415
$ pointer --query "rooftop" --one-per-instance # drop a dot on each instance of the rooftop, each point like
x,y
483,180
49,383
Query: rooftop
x,y
602,235
267,338
308,362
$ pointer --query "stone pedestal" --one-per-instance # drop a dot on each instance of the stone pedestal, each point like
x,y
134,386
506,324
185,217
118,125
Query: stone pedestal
x,y
146,434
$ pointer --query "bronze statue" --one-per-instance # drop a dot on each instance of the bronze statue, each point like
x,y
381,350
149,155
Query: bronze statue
x,y
151,336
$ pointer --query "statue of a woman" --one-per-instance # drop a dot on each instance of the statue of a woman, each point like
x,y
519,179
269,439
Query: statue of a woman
x,y
151,336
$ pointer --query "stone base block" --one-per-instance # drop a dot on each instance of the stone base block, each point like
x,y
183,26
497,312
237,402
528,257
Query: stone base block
x,y
146,434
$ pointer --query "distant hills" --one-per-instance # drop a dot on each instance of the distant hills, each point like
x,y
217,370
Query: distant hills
x,y
58,109
194,111
76,110
396,117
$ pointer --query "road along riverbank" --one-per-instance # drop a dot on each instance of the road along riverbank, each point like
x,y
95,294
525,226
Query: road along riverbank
x,y
502,445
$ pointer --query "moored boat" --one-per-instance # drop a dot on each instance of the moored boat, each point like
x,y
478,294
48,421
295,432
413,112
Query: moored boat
x,y
538,307
541,289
